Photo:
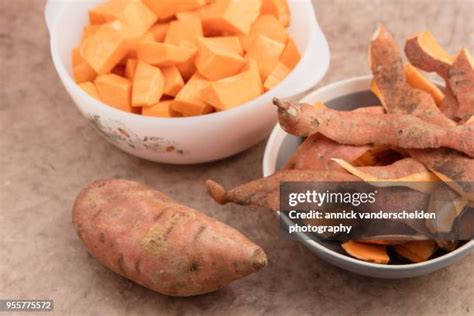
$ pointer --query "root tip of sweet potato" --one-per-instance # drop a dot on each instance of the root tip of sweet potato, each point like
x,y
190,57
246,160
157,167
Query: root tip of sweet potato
x,y
259,259
216,191
282,105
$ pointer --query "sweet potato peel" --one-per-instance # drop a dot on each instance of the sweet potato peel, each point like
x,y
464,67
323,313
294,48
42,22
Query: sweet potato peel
x,y
448,205
424,52
316,152
408,171
265,192
400,130
453,167
391,84
461,82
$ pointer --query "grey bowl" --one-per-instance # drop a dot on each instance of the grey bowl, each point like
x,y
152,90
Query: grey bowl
x,y
346,95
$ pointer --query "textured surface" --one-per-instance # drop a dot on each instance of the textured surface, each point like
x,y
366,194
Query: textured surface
x,y
48,153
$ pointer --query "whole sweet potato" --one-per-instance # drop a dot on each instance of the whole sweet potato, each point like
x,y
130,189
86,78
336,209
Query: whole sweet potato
x,y
150,239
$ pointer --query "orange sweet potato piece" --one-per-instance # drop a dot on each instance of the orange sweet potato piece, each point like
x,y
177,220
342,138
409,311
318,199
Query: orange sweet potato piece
x,y
381,242
215,62
187,30
291,54
167,8
137,17
416,251
162,54
159,31
132,45
399,130
266,25
148,85
230,16
105,48
277,8
233,91
279,72
131,68
266,52
425,53
89,30
89,88
81,70
147,237
173,80
228,43
188,100
161,109
366,252
416,80
187,69
115,91
107,11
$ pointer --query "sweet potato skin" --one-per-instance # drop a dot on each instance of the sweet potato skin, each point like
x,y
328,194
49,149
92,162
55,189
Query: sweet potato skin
x,y
148,238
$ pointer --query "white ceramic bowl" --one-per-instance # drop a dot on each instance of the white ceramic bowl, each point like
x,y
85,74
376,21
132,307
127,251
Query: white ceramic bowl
x,y
345,95
191,139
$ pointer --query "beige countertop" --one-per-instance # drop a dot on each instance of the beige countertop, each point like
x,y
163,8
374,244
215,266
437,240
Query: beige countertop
x,y
49,152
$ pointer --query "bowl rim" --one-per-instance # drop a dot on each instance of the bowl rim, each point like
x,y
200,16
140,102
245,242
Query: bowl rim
x,y
72,86
269,166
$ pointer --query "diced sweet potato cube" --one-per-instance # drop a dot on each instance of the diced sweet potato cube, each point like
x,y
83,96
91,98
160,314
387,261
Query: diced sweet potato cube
x,y
189,16
89,88
277,8
132,44
266,25
278,74
130,68
173,80
418,81
266,52
188,100
161,109
291,55
159,31
89,30
162,54
233,91
187,69
168,8
187,30
230,16
107,11
229,43
137,17
215,62
148,85
115,91
104,49
81,70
